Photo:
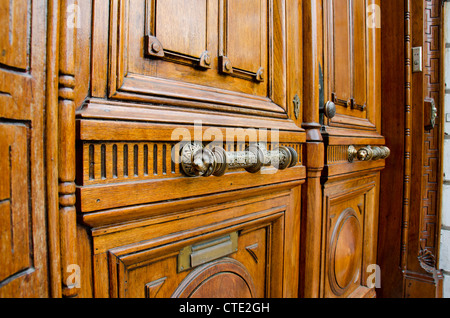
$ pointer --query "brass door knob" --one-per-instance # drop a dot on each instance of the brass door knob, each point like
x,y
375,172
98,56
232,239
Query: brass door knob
x,y
368,153
197,160
329,110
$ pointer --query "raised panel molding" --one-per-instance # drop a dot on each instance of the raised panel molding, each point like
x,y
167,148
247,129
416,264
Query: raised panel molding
x,y
349,225
245,57
14,40
350,47
169,34
136,76
345,251
15,232
121,161
152,288
149,268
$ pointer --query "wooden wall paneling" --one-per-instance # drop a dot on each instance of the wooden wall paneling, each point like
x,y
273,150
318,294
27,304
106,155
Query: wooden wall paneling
x,y
83,38
85,260
144,77
23,238
292,251
99,45
348,64
373,95
101,285
115,216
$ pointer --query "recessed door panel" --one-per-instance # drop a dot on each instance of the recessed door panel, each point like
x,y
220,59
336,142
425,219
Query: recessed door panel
x,y
244,35
14,205
23,236
341,84
184,36
244,263
350,242
203,51
350,44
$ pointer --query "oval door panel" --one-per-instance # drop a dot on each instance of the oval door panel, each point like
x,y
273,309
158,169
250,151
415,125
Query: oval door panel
x,y
224,278
345,251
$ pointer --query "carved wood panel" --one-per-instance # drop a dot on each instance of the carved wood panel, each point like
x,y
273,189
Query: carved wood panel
x,y
247,55
113,162
14,60
349,64
429,231
210,53
152,269
15,231
160,66
14,41
23,237
349,248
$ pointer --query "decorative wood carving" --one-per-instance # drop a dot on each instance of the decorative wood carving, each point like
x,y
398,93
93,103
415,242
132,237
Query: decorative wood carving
x,y
147,265
252,251
345,251
228,275
188,66
337,153
114,162
350,218
432,178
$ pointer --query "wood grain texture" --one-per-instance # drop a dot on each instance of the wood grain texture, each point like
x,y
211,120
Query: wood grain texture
x,y
24,267
66,158
417,150
344,234
158,68
96,95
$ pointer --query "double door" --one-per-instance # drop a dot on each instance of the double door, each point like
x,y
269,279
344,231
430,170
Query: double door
x,y
182,165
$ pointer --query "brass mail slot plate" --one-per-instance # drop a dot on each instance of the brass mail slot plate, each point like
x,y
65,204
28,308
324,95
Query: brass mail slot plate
x,y
207,251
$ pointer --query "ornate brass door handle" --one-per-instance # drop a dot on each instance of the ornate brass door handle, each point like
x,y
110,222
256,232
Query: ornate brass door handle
x,y
368,153
197,160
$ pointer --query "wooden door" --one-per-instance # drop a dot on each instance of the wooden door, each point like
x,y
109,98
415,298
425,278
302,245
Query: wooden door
x,y
166,79
416,168
23,243
353,153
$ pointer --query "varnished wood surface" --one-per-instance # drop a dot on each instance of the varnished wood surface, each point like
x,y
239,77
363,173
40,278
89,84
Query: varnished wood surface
x,y
152,82
96,95
414,173
23,243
